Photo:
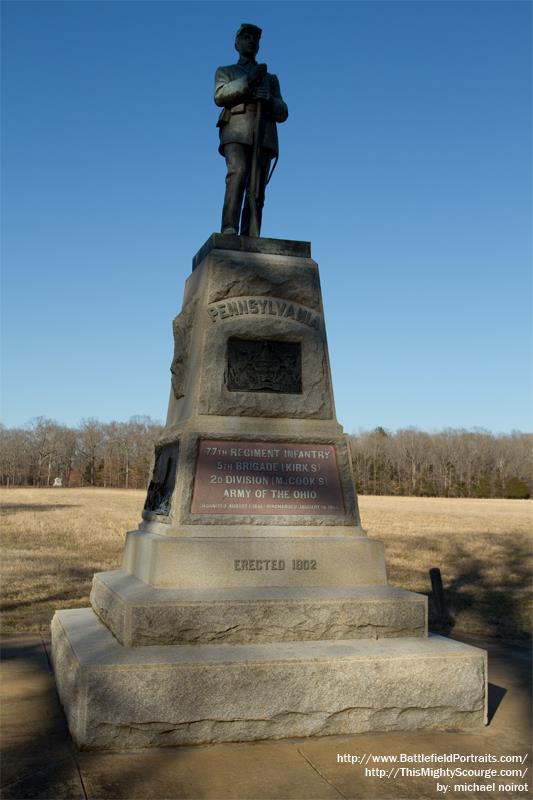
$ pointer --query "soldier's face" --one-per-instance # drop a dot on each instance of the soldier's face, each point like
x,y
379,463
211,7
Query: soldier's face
x,y
247,44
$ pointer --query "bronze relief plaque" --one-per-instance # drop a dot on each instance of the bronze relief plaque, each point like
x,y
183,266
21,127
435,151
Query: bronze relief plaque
x,y
264,365
275,478
161,486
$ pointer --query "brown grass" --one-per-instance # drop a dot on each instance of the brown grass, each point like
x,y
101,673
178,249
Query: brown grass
x,y
482,547
55,539
53,542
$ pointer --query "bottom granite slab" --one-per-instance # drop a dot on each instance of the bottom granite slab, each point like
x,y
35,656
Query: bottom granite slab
x,y
119,697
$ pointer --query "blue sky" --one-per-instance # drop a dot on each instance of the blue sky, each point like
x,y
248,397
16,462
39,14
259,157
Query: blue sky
x,y
406,161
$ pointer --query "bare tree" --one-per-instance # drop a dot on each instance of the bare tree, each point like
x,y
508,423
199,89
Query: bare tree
x,y
449,463
90,450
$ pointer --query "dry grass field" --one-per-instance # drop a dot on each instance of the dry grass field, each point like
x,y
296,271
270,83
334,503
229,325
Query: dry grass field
x,y
53,540
483,548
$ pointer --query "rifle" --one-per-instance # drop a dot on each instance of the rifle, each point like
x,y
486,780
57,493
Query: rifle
x,y
255,227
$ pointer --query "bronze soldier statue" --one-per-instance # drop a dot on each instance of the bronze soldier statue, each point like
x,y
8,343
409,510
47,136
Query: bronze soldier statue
x,y
252,105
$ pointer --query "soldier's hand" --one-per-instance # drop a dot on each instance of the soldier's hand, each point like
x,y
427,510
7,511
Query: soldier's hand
x,y
262,92
257,74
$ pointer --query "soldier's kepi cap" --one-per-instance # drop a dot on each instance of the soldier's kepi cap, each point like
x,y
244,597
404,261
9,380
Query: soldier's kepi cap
x,y
247,26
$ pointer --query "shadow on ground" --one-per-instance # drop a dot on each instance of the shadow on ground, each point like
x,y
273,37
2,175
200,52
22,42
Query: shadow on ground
x,y
15,508
494,699
38,756
488,595
40,760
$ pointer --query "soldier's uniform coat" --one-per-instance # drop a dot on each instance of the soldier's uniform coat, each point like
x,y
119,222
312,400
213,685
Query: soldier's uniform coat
x,y
237,120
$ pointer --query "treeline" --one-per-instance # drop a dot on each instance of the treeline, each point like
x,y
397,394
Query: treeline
x,y
450,463
114,454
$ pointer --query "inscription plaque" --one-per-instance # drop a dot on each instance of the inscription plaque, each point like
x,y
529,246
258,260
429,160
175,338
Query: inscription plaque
x,y
275,478
264,365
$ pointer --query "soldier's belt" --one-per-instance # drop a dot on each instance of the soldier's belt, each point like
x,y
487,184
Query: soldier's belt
x,y
242,107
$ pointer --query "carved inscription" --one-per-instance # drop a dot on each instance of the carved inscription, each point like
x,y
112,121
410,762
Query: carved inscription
x,y
266,564
161,486
264,306
278,478
264,365
258,564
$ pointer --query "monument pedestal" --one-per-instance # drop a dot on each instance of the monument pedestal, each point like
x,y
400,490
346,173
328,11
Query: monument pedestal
x,y
119,697
251,604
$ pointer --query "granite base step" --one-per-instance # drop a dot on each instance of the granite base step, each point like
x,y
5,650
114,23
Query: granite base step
x,y
139,614
119,697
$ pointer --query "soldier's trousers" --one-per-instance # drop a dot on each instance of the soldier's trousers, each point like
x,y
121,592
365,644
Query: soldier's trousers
x,y
239,164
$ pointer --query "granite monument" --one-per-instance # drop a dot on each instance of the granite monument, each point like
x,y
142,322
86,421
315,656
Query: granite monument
x,y
251,603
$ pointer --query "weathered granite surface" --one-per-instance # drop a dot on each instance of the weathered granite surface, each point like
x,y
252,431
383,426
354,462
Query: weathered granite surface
x,y
182,329
120,697
253,293
265,292
259,275
263,615
252,244
138,614
209,562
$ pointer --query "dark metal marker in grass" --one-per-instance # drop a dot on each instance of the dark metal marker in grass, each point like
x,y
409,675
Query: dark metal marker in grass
x,y
439,598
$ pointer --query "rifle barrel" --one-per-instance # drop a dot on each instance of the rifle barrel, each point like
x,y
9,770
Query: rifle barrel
x,y
254,178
